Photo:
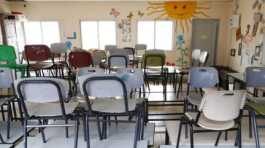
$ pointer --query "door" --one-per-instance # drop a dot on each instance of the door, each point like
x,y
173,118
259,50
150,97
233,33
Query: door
x,y
205,36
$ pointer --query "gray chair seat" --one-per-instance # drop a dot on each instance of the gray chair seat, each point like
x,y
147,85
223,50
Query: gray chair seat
x,y
215,125
50,109
206,123
3,101
112,105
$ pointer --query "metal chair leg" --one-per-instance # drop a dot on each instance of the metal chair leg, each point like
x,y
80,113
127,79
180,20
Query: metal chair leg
x,y
76,132
66,129
255,129
250,125
42,131
25,133
218,138
9,114
99,129
179,134
136,134
87,132
191,136
239,136
84,126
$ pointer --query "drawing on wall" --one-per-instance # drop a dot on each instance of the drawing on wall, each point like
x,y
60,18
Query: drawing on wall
x,y
181,11
247,38
72,37
130,16
140,13
125,26
114,12
238,33
239,52
233,52
258,16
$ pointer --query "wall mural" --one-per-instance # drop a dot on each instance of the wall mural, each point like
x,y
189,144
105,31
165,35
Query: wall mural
x,y
251,51
181,11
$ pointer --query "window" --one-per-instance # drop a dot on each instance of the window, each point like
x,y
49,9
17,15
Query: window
x,y
97,34
156,34
42,32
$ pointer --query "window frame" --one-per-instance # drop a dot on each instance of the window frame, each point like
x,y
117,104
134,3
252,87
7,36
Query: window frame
x,y
154,43
116,31
41,29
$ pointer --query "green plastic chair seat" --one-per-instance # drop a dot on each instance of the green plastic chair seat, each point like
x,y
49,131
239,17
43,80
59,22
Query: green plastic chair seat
x,y
258,107
8,56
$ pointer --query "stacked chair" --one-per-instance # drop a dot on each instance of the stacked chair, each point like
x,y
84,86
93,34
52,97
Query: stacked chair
x,y
37,57
52,104
106,95
255,78
6,81
219,111
153,66
59,58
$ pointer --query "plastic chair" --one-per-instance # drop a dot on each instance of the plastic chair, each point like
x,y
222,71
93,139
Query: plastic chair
x,y
117,62
59,57
203,58
140,49
8,59
195,56
109,47
105,89
219,111
6,83
99,57
199,78
79,59
255,78
153,66
37,57
44,99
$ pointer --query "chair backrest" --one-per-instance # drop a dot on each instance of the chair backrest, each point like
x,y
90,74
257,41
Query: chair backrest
x,y
129,50
37,53
109,47
195,56
42,90
222,105
7,54
119,61
154,58
6,78
255,77
59,48
98,56
80,58
203,77
203,58
105,87
140,47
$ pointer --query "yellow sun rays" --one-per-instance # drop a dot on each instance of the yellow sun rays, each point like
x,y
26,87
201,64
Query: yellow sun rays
x,y
181,11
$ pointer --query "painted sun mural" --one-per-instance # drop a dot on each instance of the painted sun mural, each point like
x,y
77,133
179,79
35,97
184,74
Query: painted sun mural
x,y
182,11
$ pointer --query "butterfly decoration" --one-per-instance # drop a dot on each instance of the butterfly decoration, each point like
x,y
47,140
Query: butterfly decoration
x,y
114,12
141,14
130,16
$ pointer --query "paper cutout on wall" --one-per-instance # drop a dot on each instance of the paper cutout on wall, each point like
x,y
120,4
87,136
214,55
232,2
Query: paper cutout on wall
x,y
69,44
238,33
140,13
130,16
125,26
114,12
182,11
73,37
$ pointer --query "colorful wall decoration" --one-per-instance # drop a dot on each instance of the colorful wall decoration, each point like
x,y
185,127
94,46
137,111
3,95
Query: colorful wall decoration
x,y
181,11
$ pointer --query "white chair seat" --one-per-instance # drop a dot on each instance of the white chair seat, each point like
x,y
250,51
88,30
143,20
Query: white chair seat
x,y
50,109
114,105
214,125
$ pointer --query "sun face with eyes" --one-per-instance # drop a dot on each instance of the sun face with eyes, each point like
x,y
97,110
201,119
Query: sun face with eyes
x,y
182,11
